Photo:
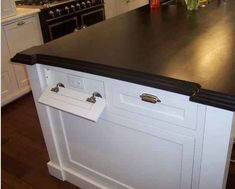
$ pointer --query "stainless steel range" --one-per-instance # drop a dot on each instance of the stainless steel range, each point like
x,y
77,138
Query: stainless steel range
x,y
62,17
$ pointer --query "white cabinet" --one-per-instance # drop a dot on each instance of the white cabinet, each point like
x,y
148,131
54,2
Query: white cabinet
x,y
128,157
17,35
110,8
22,34
8,79
134,144
116,7
128,5
8,8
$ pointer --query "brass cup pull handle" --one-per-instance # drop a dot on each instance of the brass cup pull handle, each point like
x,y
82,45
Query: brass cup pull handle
x,y
149,98
21,23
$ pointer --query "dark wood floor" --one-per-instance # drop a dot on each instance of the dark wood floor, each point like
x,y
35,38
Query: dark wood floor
x,y
24,154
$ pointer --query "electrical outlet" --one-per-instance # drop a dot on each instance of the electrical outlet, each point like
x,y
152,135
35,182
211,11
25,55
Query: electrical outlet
x,y
76,82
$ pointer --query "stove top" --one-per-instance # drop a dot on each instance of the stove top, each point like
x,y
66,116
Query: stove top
x,y
40,3
47,4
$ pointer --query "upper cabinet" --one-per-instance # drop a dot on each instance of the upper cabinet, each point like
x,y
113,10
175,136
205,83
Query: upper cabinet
x,y
116,7
8,8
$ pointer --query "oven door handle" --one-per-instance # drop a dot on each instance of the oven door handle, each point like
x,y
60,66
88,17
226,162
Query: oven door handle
x,y
62,22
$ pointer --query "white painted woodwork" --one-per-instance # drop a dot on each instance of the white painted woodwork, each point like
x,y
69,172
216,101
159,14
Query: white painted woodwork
x,y
116,7
8,8
173,109
21,37
17,35
128,5
133,144
38,84
73,102
21,13
8,79
110,8
216,150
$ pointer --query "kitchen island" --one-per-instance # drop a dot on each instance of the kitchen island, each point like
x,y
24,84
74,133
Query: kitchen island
x,y
166,77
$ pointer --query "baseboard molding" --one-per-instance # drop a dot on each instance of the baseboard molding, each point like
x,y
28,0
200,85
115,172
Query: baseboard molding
x,y
78,179
14,96
56,171
82,181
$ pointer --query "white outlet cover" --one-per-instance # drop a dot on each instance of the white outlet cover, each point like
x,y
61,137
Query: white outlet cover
x,y
76,82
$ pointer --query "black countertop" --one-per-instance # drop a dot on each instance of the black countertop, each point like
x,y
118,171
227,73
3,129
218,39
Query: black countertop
x,y
191,53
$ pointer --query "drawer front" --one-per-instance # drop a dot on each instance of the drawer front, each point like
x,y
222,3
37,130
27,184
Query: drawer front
x,y
23,34
123,99
173,108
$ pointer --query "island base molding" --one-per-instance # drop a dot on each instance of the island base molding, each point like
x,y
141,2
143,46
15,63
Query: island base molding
x,y
171,144
80,179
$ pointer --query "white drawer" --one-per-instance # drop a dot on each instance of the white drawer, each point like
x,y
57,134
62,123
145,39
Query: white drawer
x,y
22,34
123,99
173,108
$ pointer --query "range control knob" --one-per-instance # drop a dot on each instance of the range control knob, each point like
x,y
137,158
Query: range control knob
x,y
78,6
83,5
88,3
52,14
58,12
72,8
66,9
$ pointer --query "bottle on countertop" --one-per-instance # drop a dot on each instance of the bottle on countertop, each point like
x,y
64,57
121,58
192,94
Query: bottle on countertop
x,y
155,4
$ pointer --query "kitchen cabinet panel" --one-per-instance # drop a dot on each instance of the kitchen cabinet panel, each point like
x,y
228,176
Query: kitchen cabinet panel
x,y
21,35
17,35
160,159
127,101
121,151
110,8
8,80
127,5
8,8
116,7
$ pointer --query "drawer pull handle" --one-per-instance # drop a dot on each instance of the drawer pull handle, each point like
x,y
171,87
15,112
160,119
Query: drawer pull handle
x,y
20,23
149,98
92,99
56,88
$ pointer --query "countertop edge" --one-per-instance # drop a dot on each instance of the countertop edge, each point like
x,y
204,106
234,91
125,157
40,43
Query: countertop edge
x,y
20,13
24,59
215,99
193,90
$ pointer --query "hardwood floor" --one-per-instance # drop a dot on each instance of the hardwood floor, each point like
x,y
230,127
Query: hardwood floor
x,y
24,154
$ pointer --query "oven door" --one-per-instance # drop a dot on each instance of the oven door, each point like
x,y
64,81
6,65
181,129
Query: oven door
x,y
60,28
92,17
